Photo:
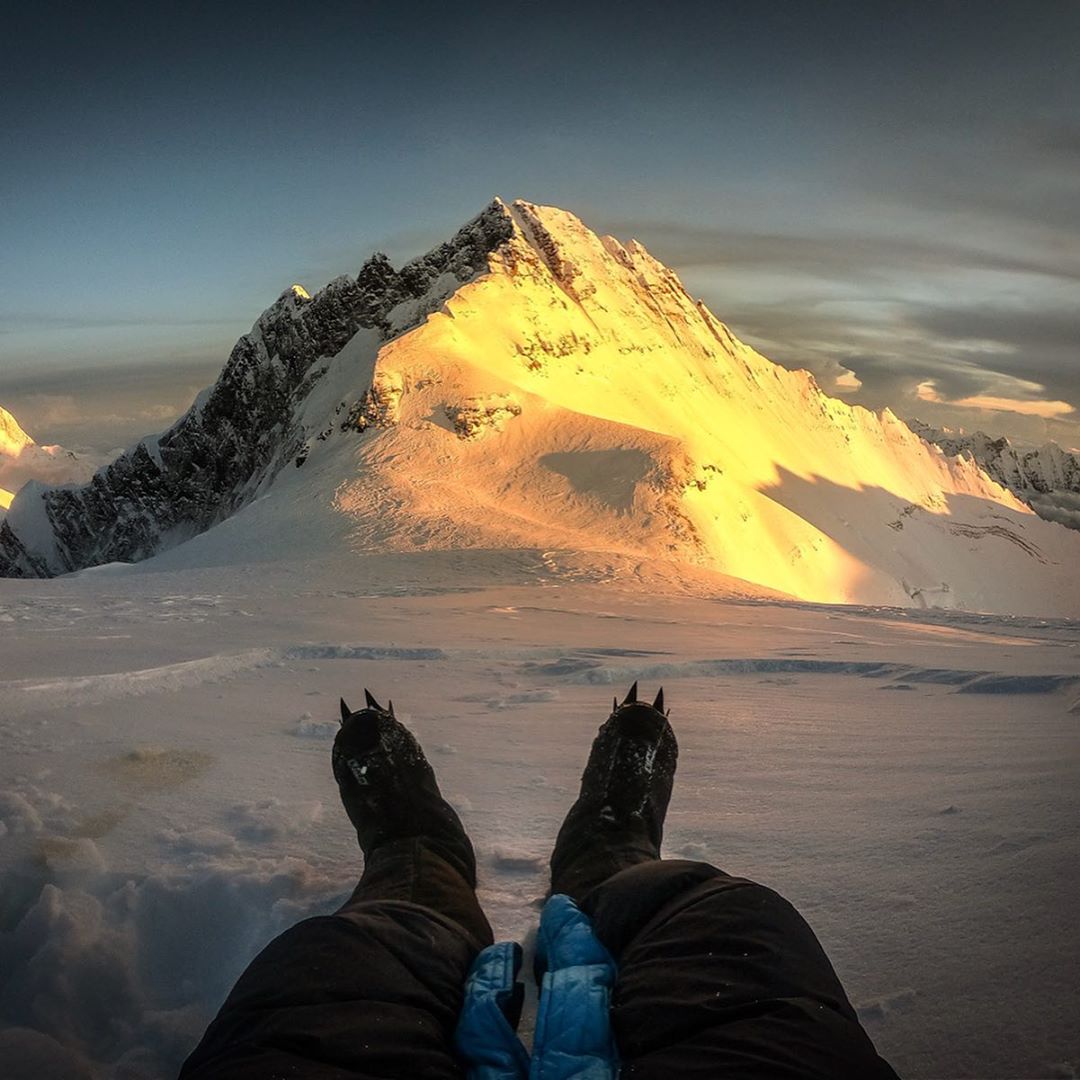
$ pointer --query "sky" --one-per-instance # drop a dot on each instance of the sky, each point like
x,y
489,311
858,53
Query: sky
x,y
885,193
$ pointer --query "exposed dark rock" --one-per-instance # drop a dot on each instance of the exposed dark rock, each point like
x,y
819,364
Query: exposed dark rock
x,y
243,430
1047,478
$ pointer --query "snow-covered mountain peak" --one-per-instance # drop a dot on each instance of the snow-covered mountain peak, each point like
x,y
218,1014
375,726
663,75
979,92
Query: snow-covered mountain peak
x,y
289,300
12,437
529,384
1046,477
22,460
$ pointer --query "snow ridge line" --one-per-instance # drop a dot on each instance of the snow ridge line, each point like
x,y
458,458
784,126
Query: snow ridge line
x,y
966,682
167,678
361,652
581,668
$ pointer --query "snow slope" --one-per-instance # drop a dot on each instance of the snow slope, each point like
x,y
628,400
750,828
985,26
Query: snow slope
x,y
21,459
910,780
532,385
1047,478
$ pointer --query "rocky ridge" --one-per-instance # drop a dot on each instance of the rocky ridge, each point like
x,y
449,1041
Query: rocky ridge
x,y
1047,478
241,431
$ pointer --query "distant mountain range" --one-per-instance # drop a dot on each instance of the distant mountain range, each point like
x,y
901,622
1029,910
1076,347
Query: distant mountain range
x,y
1047,478
529,384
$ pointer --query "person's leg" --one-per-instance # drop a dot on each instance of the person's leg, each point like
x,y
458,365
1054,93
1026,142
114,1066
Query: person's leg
x,y
618,818
415,847
716,975
418,871
375,989
721,976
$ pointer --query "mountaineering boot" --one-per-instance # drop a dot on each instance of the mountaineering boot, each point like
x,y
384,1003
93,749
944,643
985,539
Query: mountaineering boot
x,y
618,819
389,790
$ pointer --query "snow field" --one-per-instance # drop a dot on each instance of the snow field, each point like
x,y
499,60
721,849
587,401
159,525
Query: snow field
x,y
163,819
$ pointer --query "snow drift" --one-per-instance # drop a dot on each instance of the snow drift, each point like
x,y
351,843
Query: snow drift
x,y
531,385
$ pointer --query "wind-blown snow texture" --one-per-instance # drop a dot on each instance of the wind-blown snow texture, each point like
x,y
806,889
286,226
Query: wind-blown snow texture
x,y
1047,478
530,384
910,780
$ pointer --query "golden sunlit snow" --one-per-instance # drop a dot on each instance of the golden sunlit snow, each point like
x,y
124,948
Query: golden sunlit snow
x,y
578,397
12,437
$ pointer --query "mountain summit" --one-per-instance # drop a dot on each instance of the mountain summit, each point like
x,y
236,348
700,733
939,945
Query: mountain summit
x,y
21,459
13,440
529,384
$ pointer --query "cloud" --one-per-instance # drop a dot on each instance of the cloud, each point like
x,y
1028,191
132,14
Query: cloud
x,y
1022,329
1061,142
97,409
983,315
1046,409
846,381
848,256
51,412
927,391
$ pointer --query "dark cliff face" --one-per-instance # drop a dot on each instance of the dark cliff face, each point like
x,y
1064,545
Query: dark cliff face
x,y
238,434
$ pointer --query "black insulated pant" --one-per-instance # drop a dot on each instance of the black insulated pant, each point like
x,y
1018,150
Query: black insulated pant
x,y
718,977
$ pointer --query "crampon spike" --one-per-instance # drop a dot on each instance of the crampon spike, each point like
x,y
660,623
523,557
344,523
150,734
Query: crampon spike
x,y
631,697
346,712
658,704
371,702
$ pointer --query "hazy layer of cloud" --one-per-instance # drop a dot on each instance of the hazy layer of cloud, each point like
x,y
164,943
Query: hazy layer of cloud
x,y
103,408
835,255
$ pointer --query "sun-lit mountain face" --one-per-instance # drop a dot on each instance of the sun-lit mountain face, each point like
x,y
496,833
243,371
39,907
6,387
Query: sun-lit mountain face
x,y
21,459
532,385
577,396
12,437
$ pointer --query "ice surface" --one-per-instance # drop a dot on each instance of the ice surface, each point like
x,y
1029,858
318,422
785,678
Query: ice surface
x,y
167,805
